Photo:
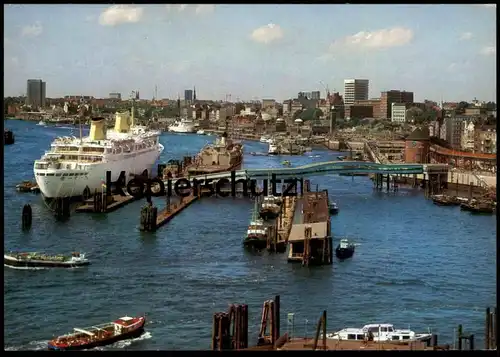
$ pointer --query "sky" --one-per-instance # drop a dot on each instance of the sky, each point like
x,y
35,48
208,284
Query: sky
x,y
251,52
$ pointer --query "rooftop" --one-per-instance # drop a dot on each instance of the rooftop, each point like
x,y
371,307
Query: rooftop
x,y
319,231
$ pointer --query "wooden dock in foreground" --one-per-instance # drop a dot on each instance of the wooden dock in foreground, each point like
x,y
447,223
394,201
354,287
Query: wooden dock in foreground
x,y
151,219
99,203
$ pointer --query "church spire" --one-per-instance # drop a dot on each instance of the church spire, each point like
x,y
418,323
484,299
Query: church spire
x,y
194,94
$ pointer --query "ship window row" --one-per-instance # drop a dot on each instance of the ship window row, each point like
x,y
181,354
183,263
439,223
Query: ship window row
x,y
61,174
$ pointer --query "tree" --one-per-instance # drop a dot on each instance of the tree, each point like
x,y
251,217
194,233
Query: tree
x,y
413,113
461,106
491,106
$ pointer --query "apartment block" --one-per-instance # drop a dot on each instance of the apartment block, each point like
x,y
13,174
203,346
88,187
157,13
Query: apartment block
x,y
393,96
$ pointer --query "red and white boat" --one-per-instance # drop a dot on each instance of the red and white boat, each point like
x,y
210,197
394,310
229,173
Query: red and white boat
x,y
124,328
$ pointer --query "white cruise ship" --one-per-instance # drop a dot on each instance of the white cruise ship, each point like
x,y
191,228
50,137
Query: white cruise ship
x,y
72,164
182,126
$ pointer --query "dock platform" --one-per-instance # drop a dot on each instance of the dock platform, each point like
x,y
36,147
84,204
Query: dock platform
x,y
97,204
168,213
311,241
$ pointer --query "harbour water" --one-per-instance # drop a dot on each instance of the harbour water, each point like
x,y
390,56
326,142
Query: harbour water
x,y
417,264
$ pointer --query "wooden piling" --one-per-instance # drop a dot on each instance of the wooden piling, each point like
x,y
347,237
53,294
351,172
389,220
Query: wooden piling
x,y
487,330
26,217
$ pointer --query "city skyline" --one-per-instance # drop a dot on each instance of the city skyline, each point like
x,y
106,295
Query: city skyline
x,y
275,53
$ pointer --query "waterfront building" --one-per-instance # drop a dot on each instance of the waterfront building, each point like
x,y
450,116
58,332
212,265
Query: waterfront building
x,y
355,89
35,93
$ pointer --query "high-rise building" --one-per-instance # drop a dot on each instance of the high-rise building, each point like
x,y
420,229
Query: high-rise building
x,y
35,93
117,96
355,89
188,95
393,96
314,95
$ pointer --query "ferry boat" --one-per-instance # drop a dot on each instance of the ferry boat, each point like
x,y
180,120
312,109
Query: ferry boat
x,y
378,333
124,328
40,260
224,155
72,164
184,125
345,249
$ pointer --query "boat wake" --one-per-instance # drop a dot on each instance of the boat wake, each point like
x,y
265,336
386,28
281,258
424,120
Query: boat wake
x,y
42,345
25,268
125,343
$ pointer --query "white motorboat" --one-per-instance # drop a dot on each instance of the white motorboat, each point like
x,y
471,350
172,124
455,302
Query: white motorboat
x,y
265,139
42,123
200,132
379,333
182,126
73,164
273,148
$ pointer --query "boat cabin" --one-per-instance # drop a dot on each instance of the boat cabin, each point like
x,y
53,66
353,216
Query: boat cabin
x,y
123,324
344,244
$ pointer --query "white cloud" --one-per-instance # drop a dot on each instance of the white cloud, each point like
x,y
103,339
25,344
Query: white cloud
x,y
120,14
267,34
32,30
198,9
466,36
489,50
384,38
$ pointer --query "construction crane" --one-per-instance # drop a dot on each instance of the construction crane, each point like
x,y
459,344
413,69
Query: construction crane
x,y
326,89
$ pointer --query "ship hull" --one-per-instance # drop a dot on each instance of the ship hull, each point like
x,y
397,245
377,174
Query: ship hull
x,y
268,214
99,343
258,242
20,263
72,186
186,129
344,253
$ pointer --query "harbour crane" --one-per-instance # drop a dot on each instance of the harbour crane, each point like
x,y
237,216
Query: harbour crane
x,y
326,89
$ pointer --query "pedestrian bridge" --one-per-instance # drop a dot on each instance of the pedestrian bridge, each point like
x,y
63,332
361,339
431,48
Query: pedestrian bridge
x,y
326,168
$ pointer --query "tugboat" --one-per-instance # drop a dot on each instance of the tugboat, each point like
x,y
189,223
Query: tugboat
x,y
333,209
8,137
345,249
39,260
479,207
442,200
124,328
270,208
257,233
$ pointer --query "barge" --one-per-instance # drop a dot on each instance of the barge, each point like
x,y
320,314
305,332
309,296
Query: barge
x,y
124,328
39,260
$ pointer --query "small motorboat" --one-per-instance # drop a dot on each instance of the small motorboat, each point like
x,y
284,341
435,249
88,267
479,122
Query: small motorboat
x,y
42,123
345,249
442,200
26,186
8,137
286,163
125,328
200,132
333,208
256,235
478,207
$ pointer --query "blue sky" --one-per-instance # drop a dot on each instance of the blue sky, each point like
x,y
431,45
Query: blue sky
x,y
251,51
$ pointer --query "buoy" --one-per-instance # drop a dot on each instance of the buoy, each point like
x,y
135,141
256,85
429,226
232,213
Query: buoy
x,y
27,217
